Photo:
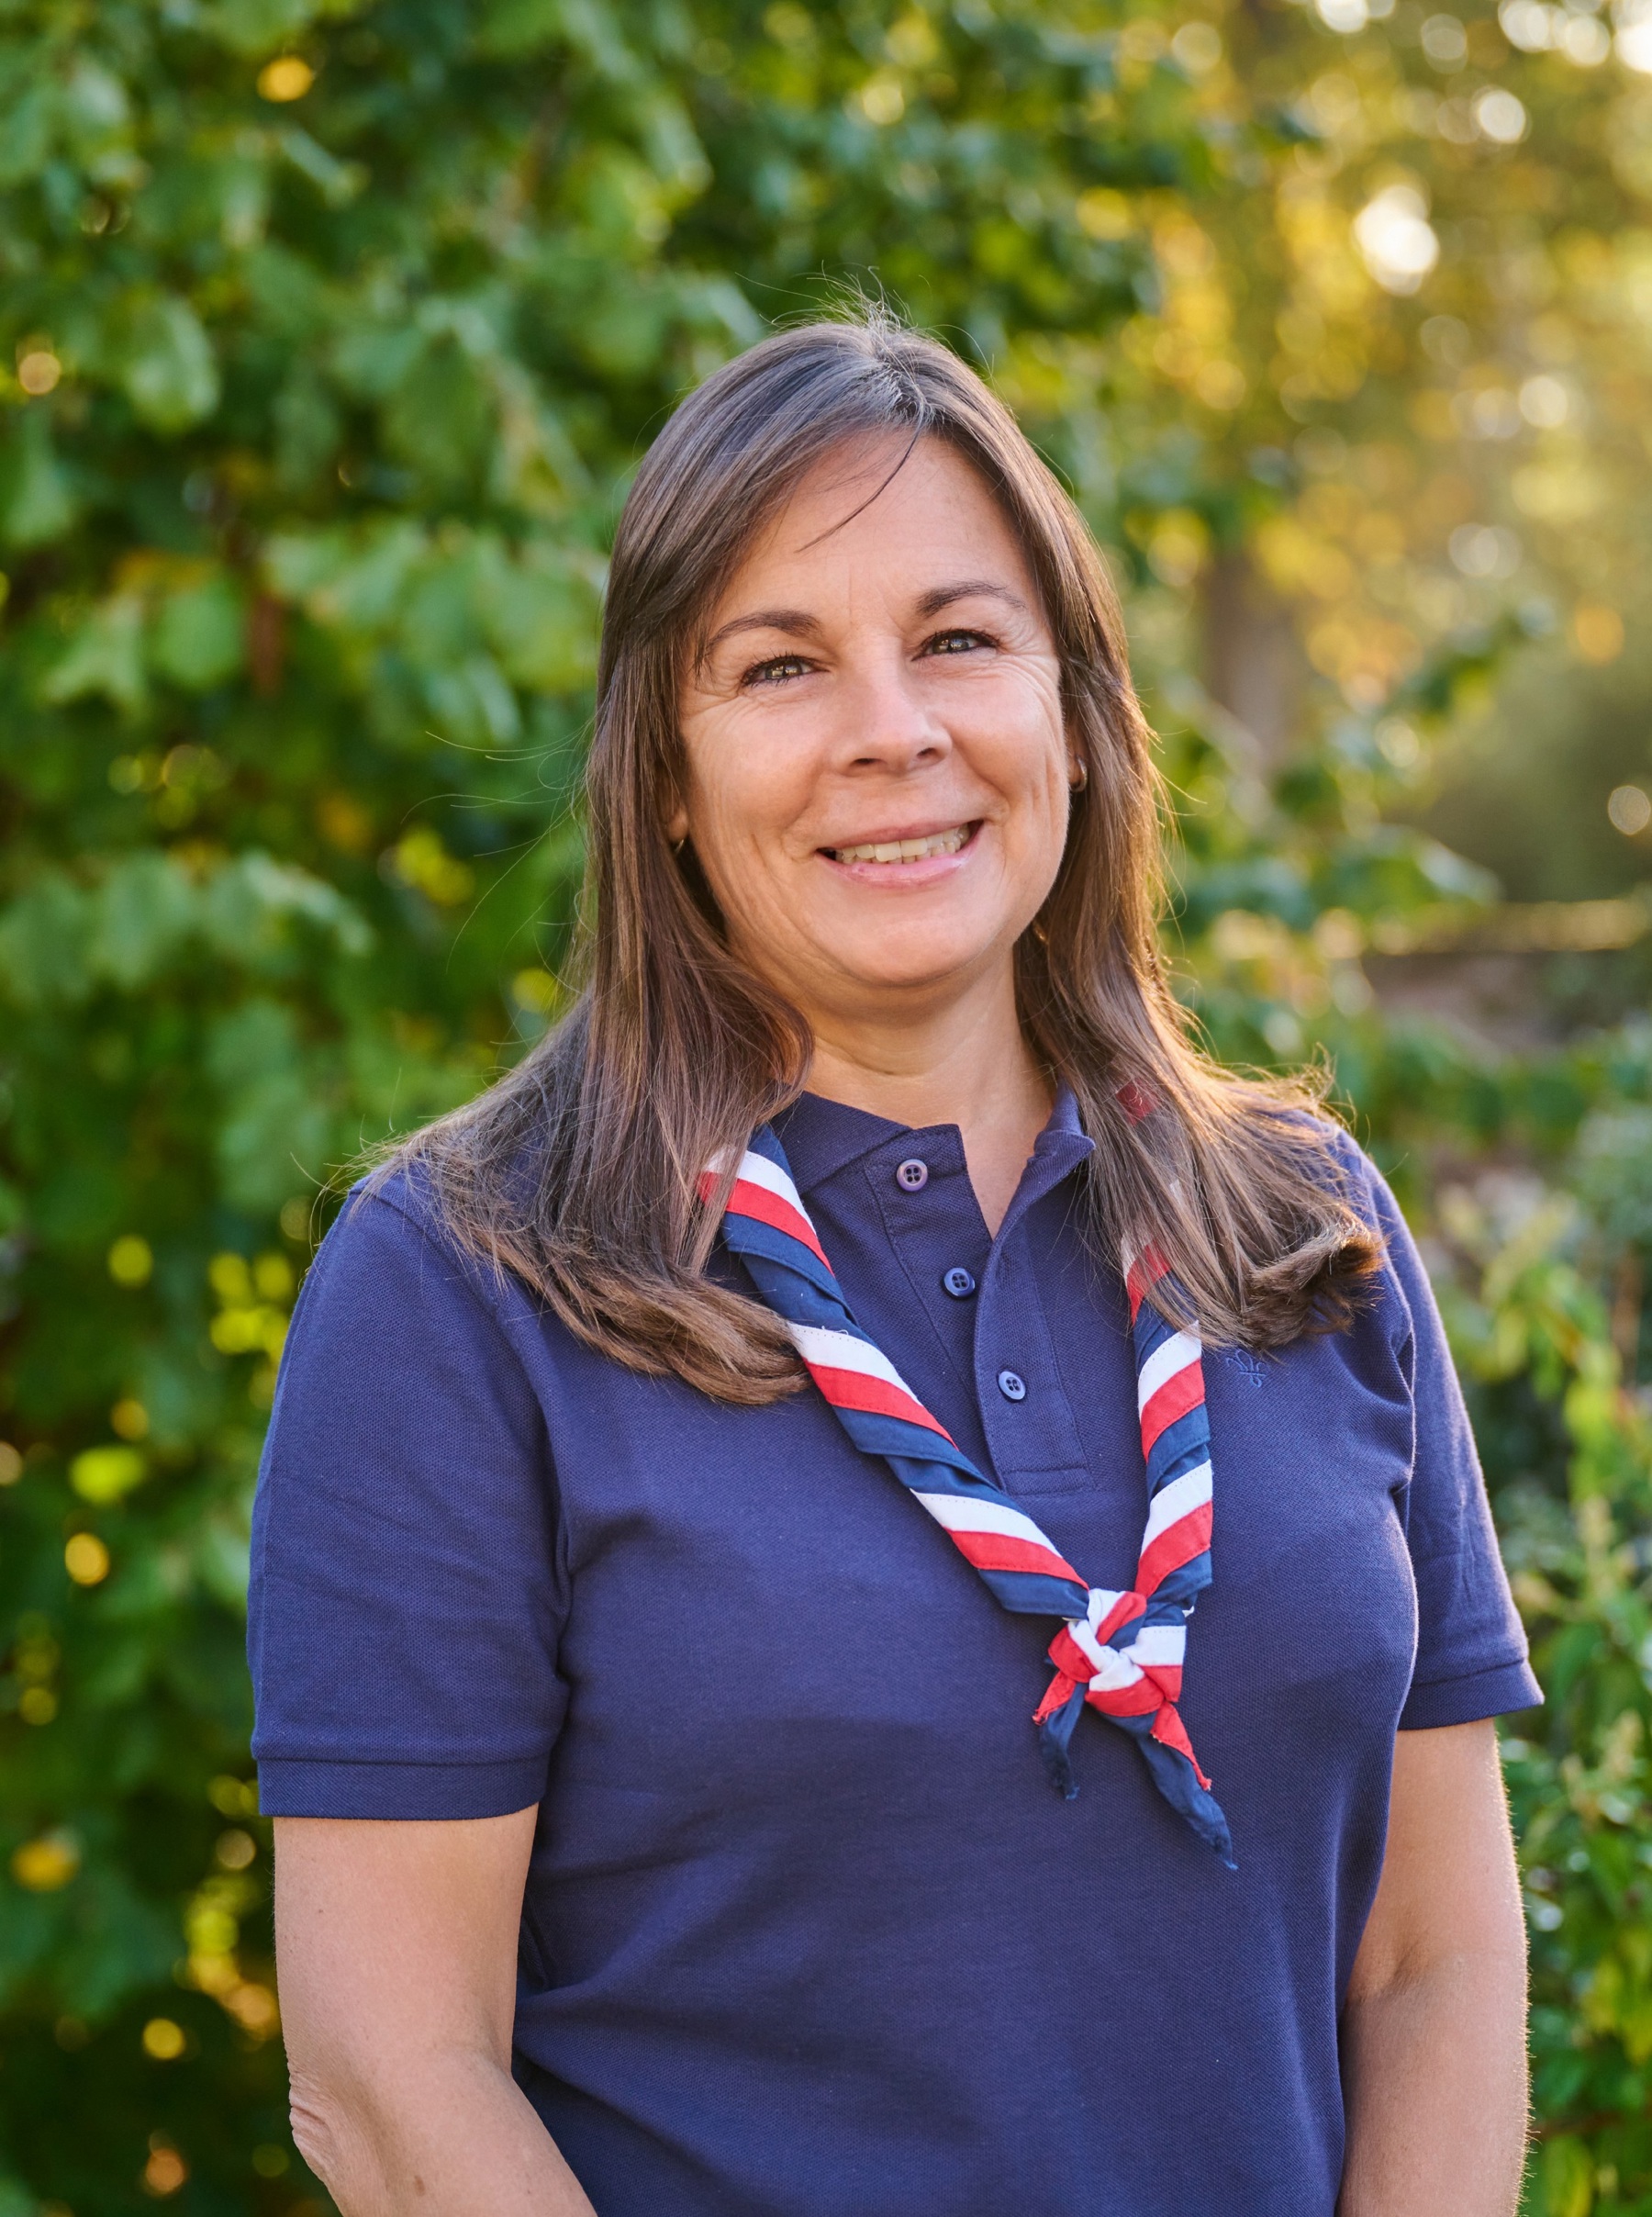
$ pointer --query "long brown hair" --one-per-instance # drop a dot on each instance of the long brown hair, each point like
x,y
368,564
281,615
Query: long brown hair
x,y
580,1169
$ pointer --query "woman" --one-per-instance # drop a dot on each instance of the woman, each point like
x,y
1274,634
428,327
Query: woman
x,y
661,1827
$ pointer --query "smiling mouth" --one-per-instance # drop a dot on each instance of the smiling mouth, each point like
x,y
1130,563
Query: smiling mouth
x,y
951,842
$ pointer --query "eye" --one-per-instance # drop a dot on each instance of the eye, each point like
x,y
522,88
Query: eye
x,y
957,643
777,670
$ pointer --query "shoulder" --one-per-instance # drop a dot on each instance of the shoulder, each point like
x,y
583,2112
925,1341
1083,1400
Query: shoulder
x,y
401,1365
1327,1153
1406,1296
1363,1184
390,1278
1363,1187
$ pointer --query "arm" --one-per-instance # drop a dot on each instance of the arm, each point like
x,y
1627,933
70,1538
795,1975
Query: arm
x,y
397,1943
1433,2028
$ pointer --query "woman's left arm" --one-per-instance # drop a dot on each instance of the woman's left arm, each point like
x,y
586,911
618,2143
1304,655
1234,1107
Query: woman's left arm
x,y
1433,2028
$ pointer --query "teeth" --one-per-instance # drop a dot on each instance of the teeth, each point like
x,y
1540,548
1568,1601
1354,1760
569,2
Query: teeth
x,y
905,850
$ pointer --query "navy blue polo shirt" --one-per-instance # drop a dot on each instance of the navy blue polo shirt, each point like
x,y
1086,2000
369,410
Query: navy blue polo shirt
x,y
807,1933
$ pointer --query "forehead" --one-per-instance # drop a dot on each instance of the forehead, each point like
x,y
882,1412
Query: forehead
x,y
882,508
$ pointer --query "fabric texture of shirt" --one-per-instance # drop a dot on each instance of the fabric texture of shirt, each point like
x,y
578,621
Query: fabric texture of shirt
x,y
807,1933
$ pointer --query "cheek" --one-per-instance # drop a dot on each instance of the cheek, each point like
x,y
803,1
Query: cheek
x,y
1023,752
745,790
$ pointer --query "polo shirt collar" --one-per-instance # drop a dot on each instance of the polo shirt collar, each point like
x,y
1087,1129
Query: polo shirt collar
x,y
823,1137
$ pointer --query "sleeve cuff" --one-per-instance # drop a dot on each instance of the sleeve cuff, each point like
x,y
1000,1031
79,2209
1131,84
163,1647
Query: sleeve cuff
x,y
408,1790
1496,1692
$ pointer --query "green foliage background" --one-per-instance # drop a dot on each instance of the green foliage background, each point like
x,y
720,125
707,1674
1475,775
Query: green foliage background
x,y
336,330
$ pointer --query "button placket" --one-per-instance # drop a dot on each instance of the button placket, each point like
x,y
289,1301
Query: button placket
x,y
1036,1444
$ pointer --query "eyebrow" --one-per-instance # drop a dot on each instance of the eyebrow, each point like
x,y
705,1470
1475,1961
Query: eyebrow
x,y
796,621
968,588
802,625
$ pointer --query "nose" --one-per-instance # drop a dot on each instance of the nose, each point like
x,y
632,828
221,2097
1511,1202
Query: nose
x,y
888,725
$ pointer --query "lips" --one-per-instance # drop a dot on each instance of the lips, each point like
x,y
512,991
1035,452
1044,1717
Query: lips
x,y
923,848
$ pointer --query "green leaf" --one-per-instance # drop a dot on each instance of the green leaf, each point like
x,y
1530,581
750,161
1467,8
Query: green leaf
x,y
543,616
169,371
256,28
36,503
26,130
248,904
274,1139
199,637
337,182
44,944
95,111
1568,2178
518,27
105,655
142,912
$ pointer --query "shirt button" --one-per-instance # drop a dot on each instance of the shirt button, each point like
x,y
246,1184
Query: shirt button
x,y
913,1175
959,1285
1012,1386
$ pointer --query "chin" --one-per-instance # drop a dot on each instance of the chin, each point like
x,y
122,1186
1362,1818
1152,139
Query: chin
x,y
900,962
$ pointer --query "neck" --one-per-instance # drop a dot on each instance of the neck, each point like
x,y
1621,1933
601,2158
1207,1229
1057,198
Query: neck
x,y
967,1064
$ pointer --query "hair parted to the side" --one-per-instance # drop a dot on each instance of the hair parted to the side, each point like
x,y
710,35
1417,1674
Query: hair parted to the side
x,y
579,1171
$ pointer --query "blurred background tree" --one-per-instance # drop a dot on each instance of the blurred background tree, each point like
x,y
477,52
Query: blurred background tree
x,y
329,335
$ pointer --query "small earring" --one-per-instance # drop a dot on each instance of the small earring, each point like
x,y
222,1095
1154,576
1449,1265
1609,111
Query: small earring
x,y
1080,777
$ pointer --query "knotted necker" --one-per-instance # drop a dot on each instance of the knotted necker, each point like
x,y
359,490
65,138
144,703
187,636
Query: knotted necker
x,y
1121,1653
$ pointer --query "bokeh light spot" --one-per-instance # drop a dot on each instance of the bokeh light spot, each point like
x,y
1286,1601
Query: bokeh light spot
x,y
86,1559
1445,42
129,1419
1396,239
103,1474
288,77
165,2171
1597,631
164,2040
1197,47
46,1864
38,371
131,1260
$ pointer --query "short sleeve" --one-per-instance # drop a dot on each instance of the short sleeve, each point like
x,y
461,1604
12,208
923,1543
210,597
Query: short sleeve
x,y
1471,1648
406,1599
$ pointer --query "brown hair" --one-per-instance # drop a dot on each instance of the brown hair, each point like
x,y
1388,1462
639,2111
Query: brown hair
x,y
579,1171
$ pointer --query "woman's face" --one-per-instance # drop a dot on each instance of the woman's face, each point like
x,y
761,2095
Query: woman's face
x,y
877,768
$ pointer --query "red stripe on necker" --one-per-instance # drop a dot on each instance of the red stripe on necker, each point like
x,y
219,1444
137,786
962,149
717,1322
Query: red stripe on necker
x,y
999,1551
1170,1732
1180,1542
1179,1393
764,1207
1138,1700
874,1398
1148,1266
